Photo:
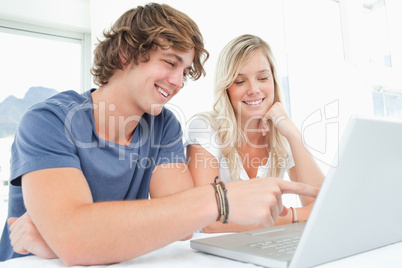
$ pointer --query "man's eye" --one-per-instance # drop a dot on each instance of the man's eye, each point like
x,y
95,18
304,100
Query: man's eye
x,y
170,63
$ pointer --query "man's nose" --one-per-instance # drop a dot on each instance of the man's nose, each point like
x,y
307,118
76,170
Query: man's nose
x,y
176,78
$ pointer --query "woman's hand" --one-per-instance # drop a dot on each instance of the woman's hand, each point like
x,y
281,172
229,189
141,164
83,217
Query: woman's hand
x,y
281,120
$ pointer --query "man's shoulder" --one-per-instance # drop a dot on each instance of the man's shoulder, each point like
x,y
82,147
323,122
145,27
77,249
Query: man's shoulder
x,y
62,103
64,98
69,98
65,107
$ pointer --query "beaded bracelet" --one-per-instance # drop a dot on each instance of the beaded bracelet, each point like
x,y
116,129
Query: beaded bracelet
x,y
221,199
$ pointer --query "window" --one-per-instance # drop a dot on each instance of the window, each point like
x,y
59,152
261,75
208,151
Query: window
x,y
375,32
387,104
387,93
371,33
36,63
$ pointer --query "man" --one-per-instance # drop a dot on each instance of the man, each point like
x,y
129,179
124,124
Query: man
x,y
87,163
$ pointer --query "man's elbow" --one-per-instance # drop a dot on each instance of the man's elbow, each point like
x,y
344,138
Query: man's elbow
x,y
209,230
75,253
71,255
70,259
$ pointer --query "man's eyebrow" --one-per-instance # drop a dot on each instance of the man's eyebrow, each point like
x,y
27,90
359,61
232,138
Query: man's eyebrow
x,y
173,55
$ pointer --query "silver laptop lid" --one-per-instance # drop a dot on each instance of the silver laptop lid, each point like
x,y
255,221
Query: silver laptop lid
x,y
359,206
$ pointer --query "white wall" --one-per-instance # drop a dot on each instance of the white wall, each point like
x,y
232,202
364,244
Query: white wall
x,y
219,22
70,15
325,89
306,37
394,8
309,36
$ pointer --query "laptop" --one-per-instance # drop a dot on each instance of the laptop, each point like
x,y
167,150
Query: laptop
x,y
358,208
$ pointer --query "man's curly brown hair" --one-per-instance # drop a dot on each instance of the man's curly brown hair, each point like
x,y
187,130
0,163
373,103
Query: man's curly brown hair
x,y
138,30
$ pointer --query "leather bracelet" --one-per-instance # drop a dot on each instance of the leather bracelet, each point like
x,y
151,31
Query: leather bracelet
x,y
222,202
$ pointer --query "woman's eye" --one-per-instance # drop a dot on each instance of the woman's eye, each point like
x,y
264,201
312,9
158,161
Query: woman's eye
x,y
264,78
238,82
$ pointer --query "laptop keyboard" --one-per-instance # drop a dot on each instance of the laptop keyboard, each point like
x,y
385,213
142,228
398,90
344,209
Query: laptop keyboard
x,y
286,246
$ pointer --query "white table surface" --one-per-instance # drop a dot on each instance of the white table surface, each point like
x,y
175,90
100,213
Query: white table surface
x,y
179,254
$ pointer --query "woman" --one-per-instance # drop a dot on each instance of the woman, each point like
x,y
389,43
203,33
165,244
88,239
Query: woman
x,y
249,134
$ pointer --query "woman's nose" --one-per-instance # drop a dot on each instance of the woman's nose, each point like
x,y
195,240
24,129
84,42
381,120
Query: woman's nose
x,y
253,88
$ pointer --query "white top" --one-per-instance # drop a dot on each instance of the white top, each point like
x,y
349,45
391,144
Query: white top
x,y
199,131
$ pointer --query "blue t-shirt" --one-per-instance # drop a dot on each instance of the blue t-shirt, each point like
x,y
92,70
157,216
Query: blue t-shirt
x,y
60,132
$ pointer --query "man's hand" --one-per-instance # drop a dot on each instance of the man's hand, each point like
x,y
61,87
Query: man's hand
x,y
259,201
26,239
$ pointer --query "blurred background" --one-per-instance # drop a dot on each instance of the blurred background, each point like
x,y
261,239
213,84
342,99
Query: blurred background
x,y
336,58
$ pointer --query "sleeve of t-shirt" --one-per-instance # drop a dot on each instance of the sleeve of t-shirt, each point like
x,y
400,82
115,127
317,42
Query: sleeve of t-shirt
x,y
41,142
199,131
171,145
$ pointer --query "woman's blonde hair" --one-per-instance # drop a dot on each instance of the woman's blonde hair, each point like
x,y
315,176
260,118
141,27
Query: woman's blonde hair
x,y
222,118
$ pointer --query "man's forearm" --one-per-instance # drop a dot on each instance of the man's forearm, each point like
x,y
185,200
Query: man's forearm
x,y
110,232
